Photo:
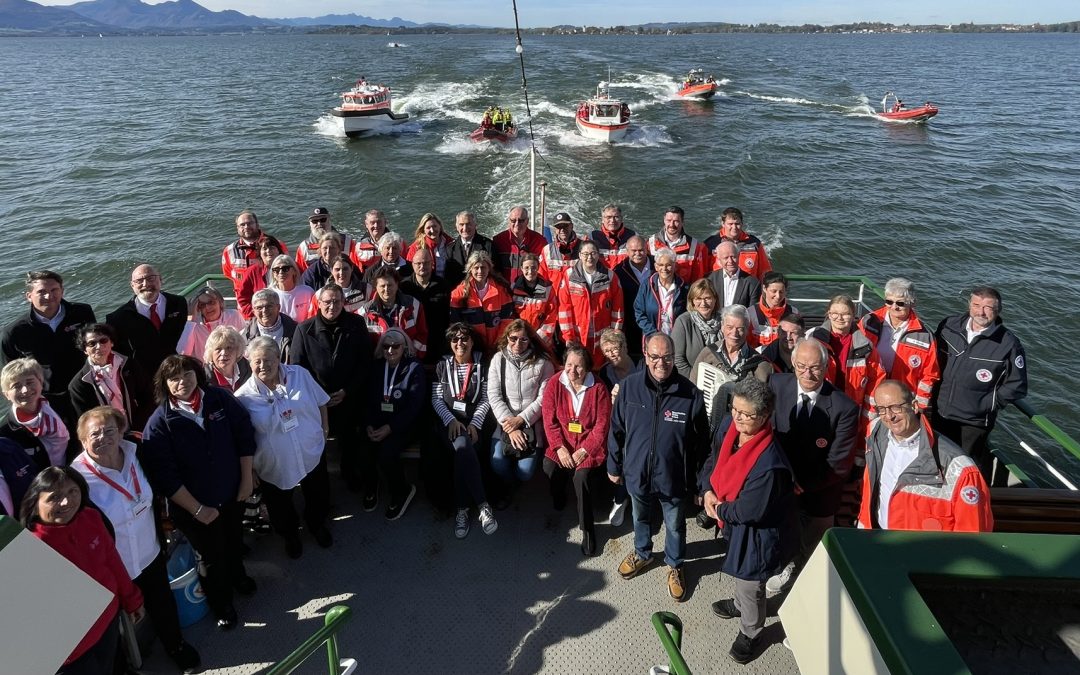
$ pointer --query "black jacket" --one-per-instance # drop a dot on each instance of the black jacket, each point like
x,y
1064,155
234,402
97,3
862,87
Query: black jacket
x,y
456,258
338,356
435,299
628,282
135,388
136,336
747,289
980,378
288,334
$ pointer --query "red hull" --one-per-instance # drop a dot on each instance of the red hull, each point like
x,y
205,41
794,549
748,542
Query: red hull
x,y
704,90
910,115
493,134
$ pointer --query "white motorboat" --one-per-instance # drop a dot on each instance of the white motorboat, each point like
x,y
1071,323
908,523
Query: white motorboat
x,y
603,117
366,107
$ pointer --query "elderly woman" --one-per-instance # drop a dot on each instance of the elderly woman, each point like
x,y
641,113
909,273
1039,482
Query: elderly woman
x,y
459,397
395,395
482,302
288,411
120,490
206,312
535,299
318,271
391,246
110,378
197,450
390,308
429,234
223,358
766,314
31,420
577,414
257,276
269,321
55,511
662,298
619,366
698,328
295,297
517,378
733,358
749,488
854,367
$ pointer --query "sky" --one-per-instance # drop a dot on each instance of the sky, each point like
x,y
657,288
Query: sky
x,y
535,13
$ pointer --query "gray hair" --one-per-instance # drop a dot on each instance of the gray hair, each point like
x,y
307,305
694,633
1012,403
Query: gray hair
x,y
268,295
664,253
818,345
737,311
611,207
223,336
391,238
899,286
524,210
613,336
394,331
756,393
332,236
726,243
661,336
193,302
262,345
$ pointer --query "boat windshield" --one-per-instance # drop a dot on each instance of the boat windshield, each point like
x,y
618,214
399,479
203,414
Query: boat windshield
x,y
606,110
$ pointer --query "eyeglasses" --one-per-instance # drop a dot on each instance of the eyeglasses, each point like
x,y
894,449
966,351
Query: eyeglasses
x,y
205,303
103,433
803,368
148,278
658,358
892,409
899,304
460,338
392,345
517,339
280,270
840,315
742,415
98,342
318,221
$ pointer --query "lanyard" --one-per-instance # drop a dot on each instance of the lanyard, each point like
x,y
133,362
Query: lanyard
x,y
457,391
388,380
660,293
111,483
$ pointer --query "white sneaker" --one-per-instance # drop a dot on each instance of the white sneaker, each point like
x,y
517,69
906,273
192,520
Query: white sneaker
x,y
618,513
461,524
779,583
487,519
787,643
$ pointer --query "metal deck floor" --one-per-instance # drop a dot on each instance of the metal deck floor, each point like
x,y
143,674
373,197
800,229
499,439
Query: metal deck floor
x,y
523,600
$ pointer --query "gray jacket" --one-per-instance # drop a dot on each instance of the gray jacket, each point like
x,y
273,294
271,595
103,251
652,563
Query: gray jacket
x,y
524,388
688,343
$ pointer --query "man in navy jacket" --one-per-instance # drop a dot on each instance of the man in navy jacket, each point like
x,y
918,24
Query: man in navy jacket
x,y
658,440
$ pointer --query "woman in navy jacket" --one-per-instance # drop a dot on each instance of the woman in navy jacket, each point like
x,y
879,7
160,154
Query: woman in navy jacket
x,y
396,390
662,298
197,451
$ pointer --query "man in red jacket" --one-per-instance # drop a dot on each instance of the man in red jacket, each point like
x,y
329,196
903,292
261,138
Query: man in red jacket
x,y
514,241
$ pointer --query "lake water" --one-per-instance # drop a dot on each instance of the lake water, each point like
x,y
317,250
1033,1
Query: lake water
x,y
121,150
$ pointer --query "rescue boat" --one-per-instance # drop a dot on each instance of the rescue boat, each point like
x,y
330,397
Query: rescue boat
x,y
897,111
497,125
698,87
603,117
366,107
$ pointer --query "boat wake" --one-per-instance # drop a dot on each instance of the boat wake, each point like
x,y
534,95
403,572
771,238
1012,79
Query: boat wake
x,y
436,99
327,125
638,136
461,144
862,109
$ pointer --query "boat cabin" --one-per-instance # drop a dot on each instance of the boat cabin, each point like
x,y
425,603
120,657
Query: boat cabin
x,y
366,97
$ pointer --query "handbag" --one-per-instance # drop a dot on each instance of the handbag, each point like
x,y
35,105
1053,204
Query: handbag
x,y
532,442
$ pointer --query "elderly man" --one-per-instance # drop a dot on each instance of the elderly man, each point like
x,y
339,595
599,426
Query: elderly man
x,y
318,272
307,251
914,479
816,424
335,348
516,239
613,237
468,240
792,326
391,246
691,256
732,358
244,252
906,348
269,321
982,370
367,248
562,252
658,440
148,327
752,256
47,334
633,271
732,285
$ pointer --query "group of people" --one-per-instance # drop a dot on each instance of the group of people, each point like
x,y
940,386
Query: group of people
x,y
659,372
497,118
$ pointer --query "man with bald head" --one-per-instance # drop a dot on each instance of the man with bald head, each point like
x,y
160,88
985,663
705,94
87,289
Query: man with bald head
x,y
150,324
732,285
816,425
633,270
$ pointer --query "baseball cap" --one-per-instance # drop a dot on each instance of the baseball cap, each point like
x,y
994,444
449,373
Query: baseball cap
x,y
319,212
562,219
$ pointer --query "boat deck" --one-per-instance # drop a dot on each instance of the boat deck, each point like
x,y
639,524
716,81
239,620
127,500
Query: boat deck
x,y
523,600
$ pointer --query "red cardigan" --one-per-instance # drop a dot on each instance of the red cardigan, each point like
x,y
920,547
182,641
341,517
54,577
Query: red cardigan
x,y
87,544
595,418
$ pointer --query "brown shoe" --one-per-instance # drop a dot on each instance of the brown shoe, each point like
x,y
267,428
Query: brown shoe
x,y
632,565
676,584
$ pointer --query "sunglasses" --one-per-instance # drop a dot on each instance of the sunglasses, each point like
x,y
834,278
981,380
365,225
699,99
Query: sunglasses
x,y
318,221
280,270
899,304
517,339
460,338
392,345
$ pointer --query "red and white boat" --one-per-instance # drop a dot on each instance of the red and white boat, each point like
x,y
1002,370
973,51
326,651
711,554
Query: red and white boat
x,y
696,86
497,125
897,111
603,117
366,107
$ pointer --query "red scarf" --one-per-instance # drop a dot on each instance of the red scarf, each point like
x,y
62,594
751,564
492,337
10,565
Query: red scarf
x,y
732,467
195,402
840,346
773,314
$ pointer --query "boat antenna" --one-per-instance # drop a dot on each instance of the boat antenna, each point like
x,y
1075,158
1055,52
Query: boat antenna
x,y
533,152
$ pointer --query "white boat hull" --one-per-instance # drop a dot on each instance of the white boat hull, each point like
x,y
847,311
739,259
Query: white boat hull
x,y
357,124
602,132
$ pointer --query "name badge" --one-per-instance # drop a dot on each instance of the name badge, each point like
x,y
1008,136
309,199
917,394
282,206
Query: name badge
x,y
387,407
289,421
139,508
459,406
574,427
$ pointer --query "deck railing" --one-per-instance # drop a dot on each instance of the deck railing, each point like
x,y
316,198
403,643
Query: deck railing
x,y
336,618
1025,461
669,627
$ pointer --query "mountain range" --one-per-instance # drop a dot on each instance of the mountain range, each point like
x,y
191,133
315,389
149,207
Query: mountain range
x,y
23,17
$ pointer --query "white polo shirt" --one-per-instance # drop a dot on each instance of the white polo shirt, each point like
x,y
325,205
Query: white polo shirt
x,y
289,438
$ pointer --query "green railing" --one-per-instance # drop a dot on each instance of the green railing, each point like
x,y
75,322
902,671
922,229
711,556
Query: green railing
x,y
669,627
335,620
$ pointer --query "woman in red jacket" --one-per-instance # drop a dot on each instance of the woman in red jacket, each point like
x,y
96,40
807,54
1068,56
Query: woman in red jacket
x,y
430,234
577,413
482,302
54,510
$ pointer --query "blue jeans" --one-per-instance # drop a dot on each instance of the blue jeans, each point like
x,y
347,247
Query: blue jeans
x,y
510,469
674,527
